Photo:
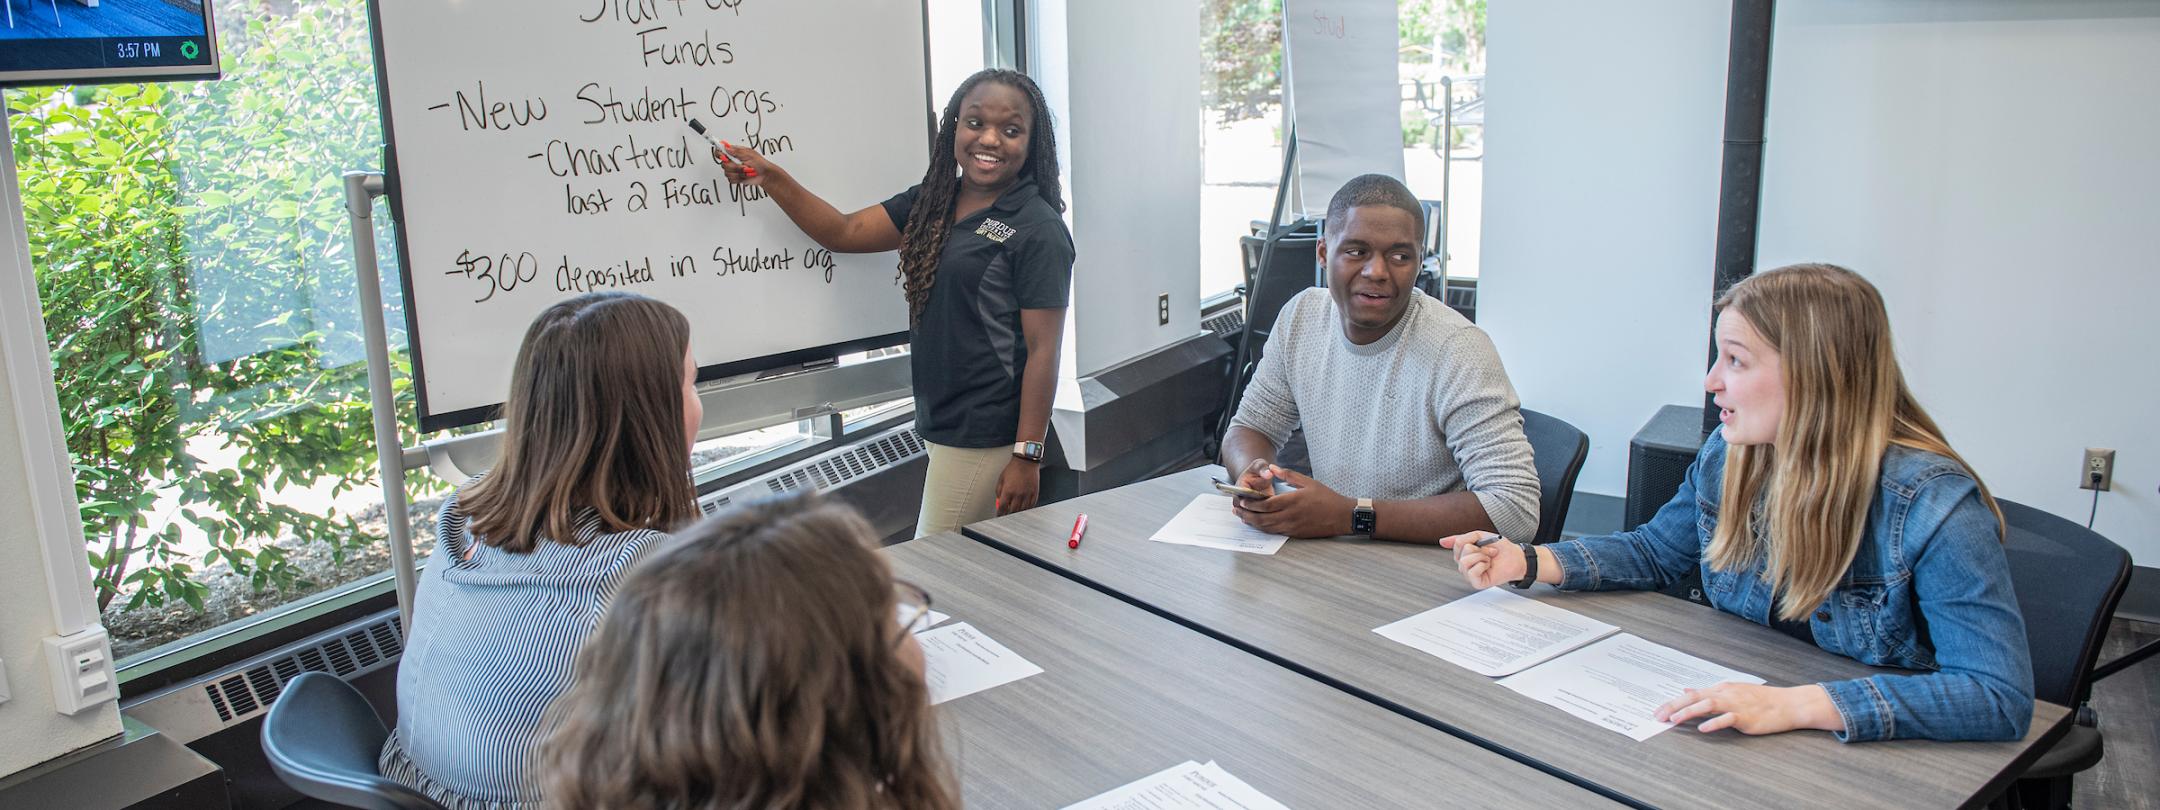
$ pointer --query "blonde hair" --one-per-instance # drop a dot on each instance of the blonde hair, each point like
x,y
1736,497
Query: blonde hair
x,y
594,421
752,663
1846,403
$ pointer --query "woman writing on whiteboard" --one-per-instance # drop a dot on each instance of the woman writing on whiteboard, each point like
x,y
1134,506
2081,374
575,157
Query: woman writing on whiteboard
x,y
595,469
1829,507
986,262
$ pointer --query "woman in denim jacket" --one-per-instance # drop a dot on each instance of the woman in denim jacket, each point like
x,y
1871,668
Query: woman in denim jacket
x,y
1864,534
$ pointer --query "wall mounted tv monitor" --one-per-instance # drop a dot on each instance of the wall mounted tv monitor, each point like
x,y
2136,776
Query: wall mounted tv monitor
x,y
44,42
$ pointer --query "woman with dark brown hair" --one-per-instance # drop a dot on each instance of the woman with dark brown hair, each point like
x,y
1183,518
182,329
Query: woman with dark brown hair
x,y
595,469
762,660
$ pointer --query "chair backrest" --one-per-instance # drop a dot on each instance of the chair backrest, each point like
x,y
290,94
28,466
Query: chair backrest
x,y
1293,268
2068,581
322,738
1560,450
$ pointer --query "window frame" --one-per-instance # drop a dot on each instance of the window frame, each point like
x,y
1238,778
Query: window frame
x,y
28,364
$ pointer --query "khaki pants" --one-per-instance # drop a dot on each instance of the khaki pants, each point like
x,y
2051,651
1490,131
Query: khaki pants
x,y
961,487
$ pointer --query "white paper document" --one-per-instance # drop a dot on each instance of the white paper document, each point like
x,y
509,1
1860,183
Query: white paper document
x,y
928,619
1191,785
961,661
1620,682
1495,632
1208,522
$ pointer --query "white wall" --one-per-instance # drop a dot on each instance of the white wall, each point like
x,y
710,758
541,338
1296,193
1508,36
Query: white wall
x,y
31,731
1123,79
1604,124
1994,167
1990,164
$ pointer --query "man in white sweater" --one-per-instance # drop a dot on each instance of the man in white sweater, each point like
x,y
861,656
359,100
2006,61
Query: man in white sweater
x,y
1413,428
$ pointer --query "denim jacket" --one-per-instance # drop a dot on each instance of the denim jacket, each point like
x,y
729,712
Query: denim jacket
x,y
1928,590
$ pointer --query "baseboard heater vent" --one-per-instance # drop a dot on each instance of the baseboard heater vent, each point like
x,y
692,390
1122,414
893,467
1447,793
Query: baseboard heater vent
x,y
1226,325
191,711
829,470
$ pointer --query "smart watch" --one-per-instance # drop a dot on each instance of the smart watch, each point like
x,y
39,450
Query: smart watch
x,y
1032,451
1363,520
1529,576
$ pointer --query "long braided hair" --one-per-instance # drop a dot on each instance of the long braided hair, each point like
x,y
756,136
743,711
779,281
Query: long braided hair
x,y
930,221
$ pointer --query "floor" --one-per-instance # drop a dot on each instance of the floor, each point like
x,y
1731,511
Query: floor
x,y
2129,707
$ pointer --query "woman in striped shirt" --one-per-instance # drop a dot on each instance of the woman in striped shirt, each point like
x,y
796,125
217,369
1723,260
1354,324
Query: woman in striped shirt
x,y
595,469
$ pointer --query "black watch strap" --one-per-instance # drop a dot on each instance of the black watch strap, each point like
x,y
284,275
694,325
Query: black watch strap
x,y
1529,576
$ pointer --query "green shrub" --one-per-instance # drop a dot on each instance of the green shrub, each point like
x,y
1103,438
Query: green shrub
x,y
191,249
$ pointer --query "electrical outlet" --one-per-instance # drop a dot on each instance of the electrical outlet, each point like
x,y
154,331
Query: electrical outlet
x,y
1162,309
3,683
2099,461
81,668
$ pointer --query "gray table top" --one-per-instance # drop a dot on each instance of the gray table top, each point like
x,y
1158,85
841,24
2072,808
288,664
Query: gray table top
x,y
1313,606
1125,693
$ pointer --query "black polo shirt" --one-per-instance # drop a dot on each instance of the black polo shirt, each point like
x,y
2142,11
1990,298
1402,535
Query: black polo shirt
x,y
968,353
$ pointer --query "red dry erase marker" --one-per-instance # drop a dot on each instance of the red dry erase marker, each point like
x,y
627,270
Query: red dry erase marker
x,y
1079,527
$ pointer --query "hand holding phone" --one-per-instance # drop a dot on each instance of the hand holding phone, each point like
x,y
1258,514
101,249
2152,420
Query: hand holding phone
x,y
1236,491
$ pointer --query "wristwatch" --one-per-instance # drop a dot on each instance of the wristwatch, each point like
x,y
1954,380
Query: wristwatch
x,y
1032,451
1363,520
1529,576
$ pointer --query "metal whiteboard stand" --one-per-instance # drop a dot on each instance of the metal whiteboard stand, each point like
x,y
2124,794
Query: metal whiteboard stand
x,y
361,189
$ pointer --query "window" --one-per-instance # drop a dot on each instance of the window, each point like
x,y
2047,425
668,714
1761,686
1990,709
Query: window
x,y
1240,131
193,265
1242,122
1442,71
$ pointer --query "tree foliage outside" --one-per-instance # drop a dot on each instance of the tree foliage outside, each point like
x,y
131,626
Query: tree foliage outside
x,y
1241,57
193,263
1241,49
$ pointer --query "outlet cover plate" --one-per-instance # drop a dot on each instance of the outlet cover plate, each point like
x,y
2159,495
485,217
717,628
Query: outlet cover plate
x,y
2097,460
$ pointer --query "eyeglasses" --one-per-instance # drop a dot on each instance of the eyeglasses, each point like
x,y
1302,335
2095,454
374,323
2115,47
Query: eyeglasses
x,y
912,608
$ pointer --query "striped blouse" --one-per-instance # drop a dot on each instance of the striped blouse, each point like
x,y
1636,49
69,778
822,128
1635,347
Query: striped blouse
x,y
492,643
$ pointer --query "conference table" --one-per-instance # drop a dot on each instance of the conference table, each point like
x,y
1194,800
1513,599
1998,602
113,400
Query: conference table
x,y
1313,607
1125,694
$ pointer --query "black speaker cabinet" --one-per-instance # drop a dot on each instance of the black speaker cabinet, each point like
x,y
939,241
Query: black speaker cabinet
x,y
1658,458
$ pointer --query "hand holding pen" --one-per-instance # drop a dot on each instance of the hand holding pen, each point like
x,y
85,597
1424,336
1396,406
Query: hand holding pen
x,y
1485,559
742,165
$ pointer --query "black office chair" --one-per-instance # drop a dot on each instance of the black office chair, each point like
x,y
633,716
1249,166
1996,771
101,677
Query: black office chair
x,y
2068,581
322,738
1560,450
1273,275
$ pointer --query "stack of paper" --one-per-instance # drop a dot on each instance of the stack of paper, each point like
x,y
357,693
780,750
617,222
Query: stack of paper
x,y
1494,632
1191,785
960,661
1619,682
1561,658
1208,522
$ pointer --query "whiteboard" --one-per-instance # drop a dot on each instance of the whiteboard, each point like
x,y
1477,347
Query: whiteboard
x,y
1344,93
539,149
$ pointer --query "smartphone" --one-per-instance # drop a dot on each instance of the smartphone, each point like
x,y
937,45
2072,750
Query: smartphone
x,y
1236,491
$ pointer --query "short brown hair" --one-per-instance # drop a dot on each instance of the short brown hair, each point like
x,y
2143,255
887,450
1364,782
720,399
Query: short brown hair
x,y
751,663
594,421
